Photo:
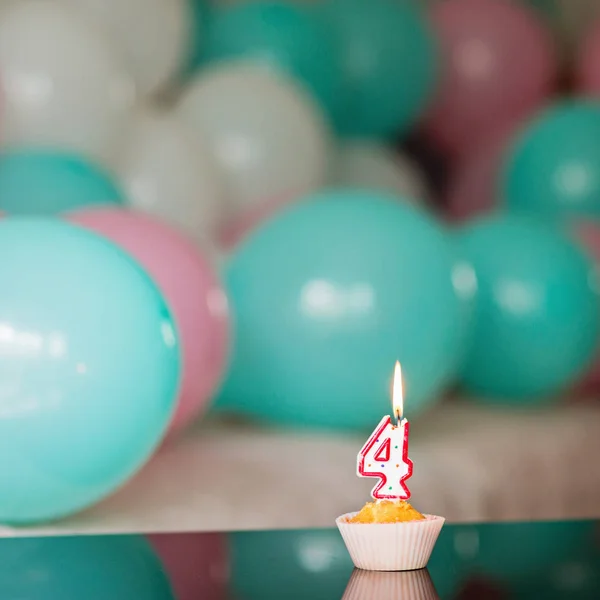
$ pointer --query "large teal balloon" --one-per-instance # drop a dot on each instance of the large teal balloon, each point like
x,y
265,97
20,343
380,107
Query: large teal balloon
x,y
289,564
327,296
553,167
537,319
89,371
43,182
73,568
389,65
281,35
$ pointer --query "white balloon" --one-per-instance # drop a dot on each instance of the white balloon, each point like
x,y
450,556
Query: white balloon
x,y
152,35
374,165
167,173
268,136
63,85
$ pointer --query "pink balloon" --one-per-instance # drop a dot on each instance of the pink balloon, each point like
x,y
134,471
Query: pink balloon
x,y
588,234
197,564
500,64
473,186
587,69
191,289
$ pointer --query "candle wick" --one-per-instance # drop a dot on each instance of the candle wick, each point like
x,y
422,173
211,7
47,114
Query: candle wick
x,y
398,416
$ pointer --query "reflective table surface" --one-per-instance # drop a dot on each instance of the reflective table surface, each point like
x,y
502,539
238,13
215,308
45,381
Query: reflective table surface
x,y
490,561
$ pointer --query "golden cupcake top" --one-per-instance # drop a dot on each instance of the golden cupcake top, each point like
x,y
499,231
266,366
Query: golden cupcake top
x,y
387,511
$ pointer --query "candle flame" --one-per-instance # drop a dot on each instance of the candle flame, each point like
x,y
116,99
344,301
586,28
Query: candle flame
x,y
397,395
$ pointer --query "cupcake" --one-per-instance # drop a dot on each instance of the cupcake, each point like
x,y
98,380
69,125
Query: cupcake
x,y
389,535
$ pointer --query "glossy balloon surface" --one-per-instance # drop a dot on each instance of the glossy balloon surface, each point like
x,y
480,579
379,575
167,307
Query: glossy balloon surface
x,y
90,368
72,568
64,86
280,35
553,167
481,91
267,135
388,62
537,317
327,295
47,183
191,289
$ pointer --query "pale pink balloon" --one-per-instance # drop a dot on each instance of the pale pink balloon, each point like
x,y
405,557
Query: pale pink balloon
x,y
237,228
499,63
474,182
191,289
197,564
587,68
587,232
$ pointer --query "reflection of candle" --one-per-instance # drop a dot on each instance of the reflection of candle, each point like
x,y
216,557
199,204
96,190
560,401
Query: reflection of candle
x,y
385,455
389,585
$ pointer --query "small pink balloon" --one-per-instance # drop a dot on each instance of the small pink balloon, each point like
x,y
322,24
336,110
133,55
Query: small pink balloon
x,y
191,289
473,186
587,232
500,64
237,228
587,68
197,564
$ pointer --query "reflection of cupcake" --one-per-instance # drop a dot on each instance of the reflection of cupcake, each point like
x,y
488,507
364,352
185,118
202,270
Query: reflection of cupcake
x,y
389,536
413,585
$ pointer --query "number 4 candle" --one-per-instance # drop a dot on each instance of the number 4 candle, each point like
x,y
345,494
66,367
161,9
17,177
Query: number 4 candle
x,y
385,455
389,534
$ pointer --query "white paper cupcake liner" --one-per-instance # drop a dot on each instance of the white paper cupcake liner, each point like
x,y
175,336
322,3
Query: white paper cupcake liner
x,y
408,585
390,546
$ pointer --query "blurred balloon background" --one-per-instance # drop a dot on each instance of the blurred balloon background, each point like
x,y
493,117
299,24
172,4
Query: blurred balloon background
x,y
307,276
537,309
255,208
480,89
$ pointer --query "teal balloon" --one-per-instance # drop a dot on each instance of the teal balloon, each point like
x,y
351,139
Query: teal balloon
x,y
199,23
285,36
89,371
43,182
537,317
301,564
553,167
71,568
327,296
389,65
